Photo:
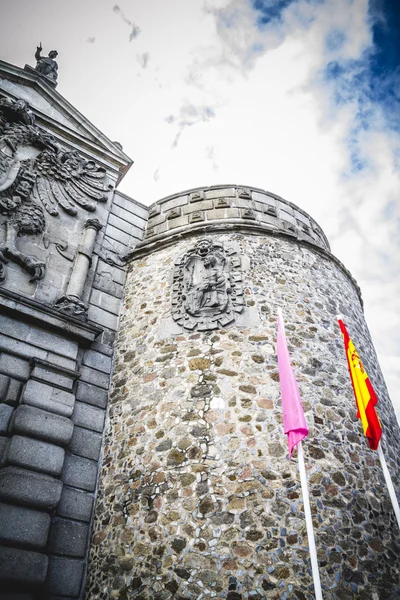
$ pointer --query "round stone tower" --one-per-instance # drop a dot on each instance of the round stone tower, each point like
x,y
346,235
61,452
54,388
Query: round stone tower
x,y
197,497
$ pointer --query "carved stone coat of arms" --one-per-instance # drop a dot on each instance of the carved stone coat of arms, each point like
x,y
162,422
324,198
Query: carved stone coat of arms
x,y
207,287
39,176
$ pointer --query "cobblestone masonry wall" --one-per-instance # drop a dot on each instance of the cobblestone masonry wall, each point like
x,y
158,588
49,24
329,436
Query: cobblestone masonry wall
x,y
197,496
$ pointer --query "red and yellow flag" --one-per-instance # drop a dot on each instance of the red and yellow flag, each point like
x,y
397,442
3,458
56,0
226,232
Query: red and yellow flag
x,y
366,398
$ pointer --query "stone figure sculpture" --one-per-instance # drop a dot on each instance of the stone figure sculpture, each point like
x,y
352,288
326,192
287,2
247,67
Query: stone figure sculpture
x,y
210,293
47,65
207,287
37,176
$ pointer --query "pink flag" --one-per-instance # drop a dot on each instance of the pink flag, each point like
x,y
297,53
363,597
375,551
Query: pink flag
x,y
294,422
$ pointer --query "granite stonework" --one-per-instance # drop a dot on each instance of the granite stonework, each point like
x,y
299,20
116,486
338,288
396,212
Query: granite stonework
x,y
197,496
60,296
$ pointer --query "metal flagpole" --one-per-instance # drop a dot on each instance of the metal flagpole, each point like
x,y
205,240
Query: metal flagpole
x,y
309,525
389,484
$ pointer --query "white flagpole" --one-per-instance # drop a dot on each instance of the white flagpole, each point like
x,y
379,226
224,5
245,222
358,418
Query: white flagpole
x,y
309,525
389,484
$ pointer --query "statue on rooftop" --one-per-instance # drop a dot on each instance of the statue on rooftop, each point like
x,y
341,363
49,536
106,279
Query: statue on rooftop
x,y
47,65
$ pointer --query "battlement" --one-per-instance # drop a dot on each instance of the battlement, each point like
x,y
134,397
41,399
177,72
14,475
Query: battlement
x,y
229,207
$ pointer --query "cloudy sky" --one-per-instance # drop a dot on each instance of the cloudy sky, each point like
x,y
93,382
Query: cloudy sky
x,y
299,97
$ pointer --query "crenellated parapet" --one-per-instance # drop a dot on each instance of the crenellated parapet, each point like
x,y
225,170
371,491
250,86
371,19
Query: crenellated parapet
x,y
229,207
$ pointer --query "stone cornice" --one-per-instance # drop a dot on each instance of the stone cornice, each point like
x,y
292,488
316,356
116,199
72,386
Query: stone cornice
x,y
47,318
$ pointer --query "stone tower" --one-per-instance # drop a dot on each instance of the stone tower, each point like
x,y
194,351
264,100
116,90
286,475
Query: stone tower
x,y
197,497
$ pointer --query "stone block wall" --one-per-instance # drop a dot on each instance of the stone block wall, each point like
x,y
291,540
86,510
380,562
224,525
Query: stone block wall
x,y
58,321
54,381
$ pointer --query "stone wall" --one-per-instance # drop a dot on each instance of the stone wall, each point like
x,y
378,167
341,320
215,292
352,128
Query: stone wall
x,y
54,380
57,335
197,497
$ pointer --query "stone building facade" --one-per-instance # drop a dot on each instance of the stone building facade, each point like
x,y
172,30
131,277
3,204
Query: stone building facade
x,y
61,291
196,497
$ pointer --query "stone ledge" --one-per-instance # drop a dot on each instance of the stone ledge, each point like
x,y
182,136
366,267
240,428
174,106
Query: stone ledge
x,y
46,317
206,227
54,375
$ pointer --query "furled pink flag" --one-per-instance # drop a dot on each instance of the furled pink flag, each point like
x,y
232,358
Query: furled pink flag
x,y
294,422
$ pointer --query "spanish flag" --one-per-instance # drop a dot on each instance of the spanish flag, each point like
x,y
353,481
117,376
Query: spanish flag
x,y
366,398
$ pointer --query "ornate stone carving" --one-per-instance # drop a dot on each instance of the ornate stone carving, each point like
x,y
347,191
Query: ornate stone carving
x,y
47,65
15,111
71,303
222,203
61,247
207,288
38,176
197,196
72,307
244,193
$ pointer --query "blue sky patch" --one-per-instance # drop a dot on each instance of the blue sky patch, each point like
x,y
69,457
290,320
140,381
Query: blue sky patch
x,y
385,16
374,79
335,40
372,82
268,10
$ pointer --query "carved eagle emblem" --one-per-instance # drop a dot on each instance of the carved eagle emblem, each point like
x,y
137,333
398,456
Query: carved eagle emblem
x,y
38,176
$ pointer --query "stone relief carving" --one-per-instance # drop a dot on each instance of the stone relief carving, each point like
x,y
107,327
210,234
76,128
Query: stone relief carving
x,y
61,247
72,307
71,303
109,254
38,176
207,287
